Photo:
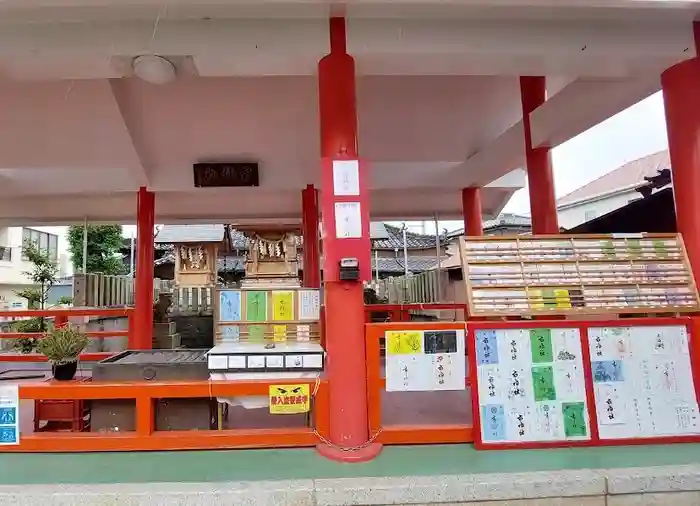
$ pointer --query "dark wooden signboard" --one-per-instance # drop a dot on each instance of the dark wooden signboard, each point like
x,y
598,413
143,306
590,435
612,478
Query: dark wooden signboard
x,y
221,175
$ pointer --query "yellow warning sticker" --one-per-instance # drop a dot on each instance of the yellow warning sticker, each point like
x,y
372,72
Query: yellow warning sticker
x,y
289,399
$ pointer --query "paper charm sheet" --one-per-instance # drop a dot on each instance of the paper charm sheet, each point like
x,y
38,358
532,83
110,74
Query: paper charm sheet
x,y
425,360
531,385
642,382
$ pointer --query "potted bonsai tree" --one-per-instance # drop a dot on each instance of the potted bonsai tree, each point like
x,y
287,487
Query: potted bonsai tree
x,y
62,347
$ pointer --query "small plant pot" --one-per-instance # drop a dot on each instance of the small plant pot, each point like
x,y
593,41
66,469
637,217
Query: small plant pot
x,y
64,372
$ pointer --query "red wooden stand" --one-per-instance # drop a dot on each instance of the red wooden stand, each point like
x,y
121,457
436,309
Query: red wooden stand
x,y
62,415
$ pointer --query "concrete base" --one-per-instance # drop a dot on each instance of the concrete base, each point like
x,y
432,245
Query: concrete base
x,y
654,486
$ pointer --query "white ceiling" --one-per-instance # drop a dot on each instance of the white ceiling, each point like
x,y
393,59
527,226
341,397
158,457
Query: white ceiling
x,y
253,47
438,97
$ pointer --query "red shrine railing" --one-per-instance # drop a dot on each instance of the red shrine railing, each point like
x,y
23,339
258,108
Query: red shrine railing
x,y
459,431
145,437
402,312
450,413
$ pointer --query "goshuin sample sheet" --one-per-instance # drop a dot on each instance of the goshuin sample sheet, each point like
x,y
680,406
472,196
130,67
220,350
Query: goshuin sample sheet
x,y
425,360
531,385
642,382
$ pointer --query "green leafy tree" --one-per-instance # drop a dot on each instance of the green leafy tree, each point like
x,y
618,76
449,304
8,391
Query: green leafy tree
x,y
43,275
103,245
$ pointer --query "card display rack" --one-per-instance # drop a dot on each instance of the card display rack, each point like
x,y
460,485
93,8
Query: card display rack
x,y
274,315
591,274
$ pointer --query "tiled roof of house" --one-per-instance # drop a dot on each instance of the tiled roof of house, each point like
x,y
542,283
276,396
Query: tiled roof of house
x,y
628,175
415,264
508,220
394,240
171,234
233,263
502,220
383,236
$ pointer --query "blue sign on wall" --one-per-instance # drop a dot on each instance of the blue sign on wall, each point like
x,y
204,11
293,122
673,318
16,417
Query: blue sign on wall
x,y
8,435
9,415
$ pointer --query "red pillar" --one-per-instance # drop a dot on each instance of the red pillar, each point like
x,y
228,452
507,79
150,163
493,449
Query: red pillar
x,y
471,209
680,86
145,221
344,301
312,269
543,206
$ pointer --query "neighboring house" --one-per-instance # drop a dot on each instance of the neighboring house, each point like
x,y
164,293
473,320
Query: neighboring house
x,y
13,265
503,224
387,250
612,191
387,247
654,213
126,252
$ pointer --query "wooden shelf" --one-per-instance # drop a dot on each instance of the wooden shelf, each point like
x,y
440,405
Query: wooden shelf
x,y
531,275
267,314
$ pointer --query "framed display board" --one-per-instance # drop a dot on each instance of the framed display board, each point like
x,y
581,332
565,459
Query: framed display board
x,y
275,315
630,381
438,339
643,381
591,274
528,386
425,360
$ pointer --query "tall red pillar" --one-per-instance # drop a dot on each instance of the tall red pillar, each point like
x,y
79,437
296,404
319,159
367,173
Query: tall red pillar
x,y
543,206
680,85
309,225
471,209
145,221
344,301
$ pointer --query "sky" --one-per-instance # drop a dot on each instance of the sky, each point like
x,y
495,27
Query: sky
x,y
627,136
631,134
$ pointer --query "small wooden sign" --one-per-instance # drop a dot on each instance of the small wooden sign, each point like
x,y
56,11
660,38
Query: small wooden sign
x,y
221,175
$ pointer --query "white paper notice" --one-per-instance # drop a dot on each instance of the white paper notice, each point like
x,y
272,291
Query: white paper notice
x,y
348,220
425,361
309,305
346,177
642,382
406,373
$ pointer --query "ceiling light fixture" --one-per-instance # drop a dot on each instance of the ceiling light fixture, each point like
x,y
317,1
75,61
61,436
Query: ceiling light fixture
x,y
154,69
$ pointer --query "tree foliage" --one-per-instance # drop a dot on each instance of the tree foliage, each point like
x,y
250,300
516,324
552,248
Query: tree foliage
x,y
103,245
43,273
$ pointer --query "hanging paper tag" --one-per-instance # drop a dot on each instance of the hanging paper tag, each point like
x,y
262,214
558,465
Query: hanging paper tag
x,y
283,306
279,333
